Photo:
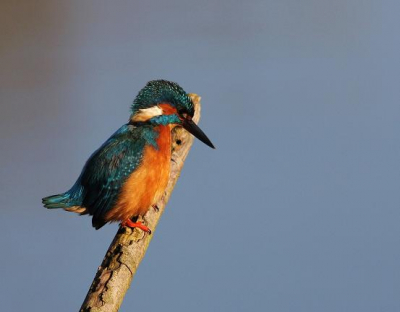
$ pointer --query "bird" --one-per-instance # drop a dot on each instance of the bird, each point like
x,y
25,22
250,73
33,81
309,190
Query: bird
x,y
129,173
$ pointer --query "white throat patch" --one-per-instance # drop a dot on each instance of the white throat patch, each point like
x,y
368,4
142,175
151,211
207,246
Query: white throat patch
x,y
147,113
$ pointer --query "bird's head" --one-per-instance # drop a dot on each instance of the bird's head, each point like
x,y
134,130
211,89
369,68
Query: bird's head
x,y
163,102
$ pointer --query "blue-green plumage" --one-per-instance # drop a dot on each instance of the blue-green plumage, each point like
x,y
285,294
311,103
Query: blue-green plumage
x,y
102,177
163,91
101,182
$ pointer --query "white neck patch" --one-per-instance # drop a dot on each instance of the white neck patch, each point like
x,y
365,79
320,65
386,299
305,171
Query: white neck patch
x,y
145,114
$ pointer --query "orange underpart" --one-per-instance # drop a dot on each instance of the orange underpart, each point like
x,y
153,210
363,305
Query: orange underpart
x,y
146,185
140,225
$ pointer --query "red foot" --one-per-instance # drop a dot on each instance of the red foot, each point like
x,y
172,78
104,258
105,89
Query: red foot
x,y
140,225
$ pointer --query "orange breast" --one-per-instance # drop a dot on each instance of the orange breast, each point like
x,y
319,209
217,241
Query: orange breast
x,y
146,185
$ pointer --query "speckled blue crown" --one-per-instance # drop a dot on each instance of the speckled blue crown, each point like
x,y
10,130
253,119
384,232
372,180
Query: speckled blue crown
x,y
163,91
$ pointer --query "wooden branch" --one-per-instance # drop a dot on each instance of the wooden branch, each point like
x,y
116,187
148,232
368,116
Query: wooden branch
x,y
128,248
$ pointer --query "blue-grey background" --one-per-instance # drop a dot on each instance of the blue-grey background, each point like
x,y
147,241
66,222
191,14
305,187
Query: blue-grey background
x,y
296,210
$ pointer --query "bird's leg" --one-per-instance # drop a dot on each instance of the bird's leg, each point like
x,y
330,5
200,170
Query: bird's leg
x,y
140,225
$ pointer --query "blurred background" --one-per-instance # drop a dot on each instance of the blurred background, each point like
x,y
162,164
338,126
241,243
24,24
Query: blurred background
x,y
296,210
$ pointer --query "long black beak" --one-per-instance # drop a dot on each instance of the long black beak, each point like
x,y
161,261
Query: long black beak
x,y
194,129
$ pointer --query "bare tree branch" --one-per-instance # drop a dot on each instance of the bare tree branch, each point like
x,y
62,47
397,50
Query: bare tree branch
x,y
128,248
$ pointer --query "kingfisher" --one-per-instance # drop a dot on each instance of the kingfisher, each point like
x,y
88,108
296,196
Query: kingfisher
x,y
129,173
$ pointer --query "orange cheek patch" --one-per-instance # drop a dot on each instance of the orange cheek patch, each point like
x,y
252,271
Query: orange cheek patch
x,y
167,109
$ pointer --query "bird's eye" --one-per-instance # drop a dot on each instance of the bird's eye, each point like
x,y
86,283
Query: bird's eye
x,y
183,114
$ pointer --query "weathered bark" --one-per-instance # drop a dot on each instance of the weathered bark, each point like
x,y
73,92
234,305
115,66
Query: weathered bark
x,y
128,248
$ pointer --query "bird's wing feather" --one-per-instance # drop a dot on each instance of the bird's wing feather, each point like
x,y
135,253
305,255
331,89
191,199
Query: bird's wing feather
x,y
108,168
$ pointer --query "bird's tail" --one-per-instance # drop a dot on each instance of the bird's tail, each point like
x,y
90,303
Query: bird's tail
x,y
57,201
65,200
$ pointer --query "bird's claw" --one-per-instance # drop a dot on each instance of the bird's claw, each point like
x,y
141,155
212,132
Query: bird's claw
x,y
129,223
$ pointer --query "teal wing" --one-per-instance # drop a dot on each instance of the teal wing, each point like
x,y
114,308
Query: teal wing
x,y
107,169
104,174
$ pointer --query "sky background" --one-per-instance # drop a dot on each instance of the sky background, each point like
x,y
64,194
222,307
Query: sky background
x,y
298,208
